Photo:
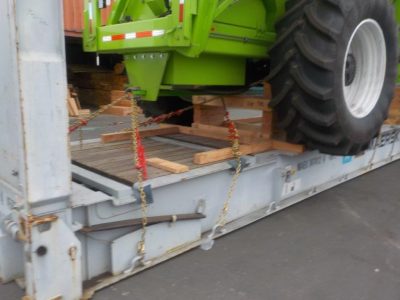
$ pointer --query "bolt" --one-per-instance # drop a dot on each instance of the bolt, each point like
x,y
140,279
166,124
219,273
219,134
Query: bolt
x,y
41,251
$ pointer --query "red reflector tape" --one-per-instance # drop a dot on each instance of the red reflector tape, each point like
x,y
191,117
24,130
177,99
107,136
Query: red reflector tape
x,y
181,10
118,37
144,34
133,35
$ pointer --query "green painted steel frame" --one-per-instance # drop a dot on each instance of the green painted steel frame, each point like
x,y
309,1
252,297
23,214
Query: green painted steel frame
x,y
200,27
210,37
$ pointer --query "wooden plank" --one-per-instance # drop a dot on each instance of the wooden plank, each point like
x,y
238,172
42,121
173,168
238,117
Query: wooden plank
x,y
84,112
216,132
117,94
250,120
125,103
125,136
394,112
267,90
267,123
73,108
248,126
226,153
242,101
167,165
211,115
287,147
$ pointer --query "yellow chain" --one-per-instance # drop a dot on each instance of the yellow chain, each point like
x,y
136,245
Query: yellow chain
x,y
237,155
141,248
80,138
96,113
148,122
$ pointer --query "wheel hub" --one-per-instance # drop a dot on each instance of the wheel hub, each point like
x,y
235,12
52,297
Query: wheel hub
x,y
364,68
351,68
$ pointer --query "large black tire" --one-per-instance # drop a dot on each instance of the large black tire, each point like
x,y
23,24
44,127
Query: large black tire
x,y
309,75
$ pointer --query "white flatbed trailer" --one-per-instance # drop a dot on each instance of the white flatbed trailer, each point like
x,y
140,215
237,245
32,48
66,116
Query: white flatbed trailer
x,y
67,229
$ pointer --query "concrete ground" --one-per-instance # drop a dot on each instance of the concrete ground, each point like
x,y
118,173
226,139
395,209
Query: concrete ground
x,y
343,244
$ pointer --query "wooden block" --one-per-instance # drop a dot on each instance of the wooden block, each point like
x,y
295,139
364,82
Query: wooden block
x,y
211,115
267,123
394,112
117,94
126,136
118,111
267,91
84,112
221,133
125,103
167,165
73,108
248,126
226,153
287,147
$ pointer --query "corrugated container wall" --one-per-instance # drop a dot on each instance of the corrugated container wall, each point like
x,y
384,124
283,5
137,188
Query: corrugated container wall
x,y
73,17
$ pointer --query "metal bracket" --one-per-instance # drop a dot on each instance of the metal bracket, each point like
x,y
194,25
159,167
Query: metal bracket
x,y
148,192
209,241
233,163
136,91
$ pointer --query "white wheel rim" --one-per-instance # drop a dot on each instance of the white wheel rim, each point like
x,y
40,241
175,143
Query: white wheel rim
x,y
367,48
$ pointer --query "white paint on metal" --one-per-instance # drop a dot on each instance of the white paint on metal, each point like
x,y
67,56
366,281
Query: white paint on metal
x,y
42,98
35,172
11,262
60,264
158,32
367,45
12,159
291,187
130,36
90,8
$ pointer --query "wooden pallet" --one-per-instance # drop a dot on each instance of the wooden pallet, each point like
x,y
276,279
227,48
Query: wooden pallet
x,y
255,133
97,86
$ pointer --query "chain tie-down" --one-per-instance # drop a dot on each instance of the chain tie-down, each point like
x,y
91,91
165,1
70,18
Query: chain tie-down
x,y
219,227
140,165
81,122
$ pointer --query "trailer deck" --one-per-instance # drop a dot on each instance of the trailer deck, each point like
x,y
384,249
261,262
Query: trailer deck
x,y
270,182
115,160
